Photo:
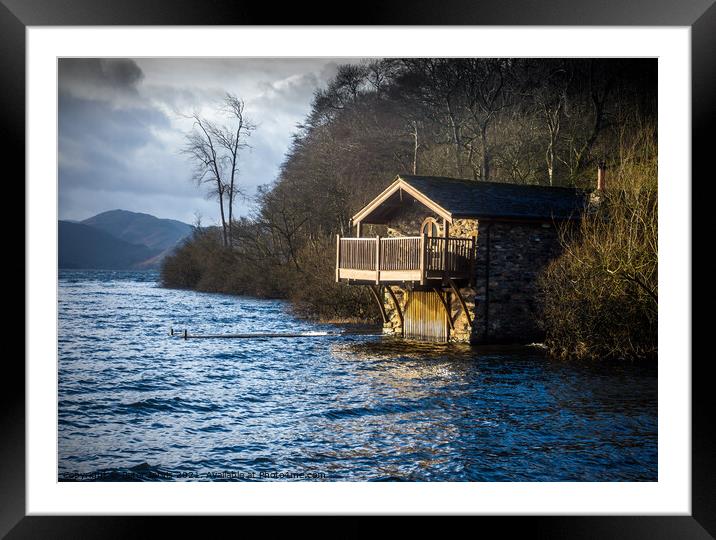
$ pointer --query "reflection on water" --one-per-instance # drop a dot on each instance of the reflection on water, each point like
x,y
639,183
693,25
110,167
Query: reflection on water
x,y
352,407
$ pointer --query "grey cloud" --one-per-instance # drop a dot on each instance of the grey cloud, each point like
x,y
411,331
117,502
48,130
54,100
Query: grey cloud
x,y
99,78
121,129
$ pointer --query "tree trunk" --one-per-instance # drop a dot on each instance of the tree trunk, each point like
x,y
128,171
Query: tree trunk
x,y
485,153
553,125
456,138
415,148
550,163
223,218
231,212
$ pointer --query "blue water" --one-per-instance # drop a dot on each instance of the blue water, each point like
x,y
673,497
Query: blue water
x,y
137,404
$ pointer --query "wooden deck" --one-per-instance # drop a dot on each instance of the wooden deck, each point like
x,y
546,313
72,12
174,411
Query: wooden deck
x,y
418,259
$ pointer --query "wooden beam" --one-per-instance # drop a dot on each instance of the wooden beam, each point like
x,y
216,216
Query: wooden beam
x,y
377,260
358,229
447,308
400,184
379,300
394,276
399,275
446,241
473,256
453,286
439,210
338,257
357,275
372,205
397,308
408,298
423,257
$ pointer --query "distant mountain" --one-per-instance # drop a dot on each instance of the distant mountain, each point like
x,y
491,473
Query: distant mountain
x,y
136,228
119,239
83,246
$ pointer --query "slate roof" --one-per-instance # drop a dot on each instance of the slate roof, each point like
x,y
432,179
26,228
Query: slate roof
x,y
477,199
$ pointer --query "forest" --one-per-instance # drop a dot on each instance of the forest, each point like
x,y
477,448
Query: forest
x,y
525,121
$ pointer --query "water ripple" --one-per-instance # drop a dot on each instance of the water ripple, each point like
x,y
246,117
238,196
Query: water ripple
x,y
138,405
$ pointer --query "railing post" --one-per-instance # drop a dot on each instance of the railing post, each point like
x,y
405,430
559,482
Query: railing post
x,y
446,245
473,255
423,256
377,260
338,256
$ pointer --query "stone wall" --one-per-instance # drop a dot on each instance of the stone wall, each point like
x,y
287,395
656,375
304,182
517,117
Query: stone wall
x,y
464,228
409,220
393,326
510,257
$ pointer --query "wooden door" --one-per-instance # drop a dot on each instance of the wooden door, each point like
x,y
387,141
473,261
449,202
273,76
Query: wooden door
x,y
425,317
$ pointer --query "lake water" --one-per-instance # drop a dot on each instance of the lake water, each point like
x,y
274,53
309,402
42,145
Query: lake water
x,y
137,404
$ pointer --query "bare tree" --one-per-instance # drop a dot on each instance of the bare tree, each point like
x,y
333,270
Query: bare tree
x,y
214,150
232,139
416,145
202,151
551,100
438,84
281,216
591,120
486,97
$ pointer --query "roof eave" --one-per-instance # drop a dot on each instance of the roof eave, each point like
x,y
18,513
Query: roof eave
x,y
515,218
397,184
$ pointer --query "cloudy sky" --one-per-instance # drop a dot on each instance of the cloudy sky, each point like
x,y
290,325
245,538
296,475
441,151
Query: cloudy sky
x,y
121,128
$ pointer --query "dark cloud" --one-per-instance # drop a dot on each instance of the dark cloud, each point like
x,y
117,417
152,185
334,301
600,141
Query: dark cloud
x,y
110,75
121,127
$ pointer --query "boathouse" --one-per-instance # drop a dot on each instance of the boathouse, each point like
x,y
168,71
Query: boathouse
x,y
457,260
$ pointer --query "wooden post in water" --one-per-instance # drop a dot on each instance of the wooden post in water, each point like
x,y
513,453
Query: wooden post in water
x,y
185,333
338,256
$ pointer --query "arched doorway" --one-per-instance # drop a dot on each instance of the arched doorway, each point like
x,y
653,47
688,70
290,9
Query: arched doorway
x,y
430,227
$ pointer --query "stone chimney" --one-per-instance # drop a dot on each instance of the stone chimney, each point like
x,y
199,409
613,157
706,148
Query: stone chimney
x,y
602,175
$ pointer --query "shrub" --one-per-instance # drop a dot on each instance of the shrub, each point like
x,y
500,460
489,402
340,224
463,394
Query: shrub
x,y
315,294
601,295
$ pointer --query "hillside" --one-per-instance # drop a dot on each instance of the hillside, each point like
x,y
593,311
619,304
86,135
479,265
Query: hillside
x,y
157,234
82,246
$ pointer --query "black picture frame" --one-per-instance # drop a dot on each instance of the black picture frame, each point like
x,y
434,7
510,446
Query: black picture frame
x,y
16,15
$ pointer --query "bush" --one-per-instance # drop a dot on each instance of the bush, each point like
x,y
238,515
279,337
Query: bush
x,y
202,263
601,295
315,294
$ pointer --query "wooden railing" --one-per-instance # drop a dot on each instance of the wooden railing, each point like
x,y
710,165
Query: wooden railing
x,y
357,253
404,258
455,259
401,253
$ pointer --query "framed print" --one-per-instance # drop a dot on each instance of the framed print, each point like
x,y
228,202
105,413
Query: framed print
x,y
408,266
